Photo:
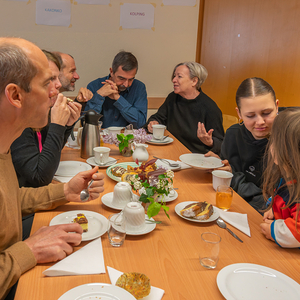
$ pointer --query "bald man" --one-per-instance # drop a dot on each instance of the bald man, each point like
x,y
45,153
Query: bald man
x,y
25,99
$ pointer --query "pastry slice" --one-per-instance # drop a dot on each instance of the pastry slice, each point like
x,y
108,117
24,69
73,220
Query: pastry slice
x,y
82,221
206,211
191,210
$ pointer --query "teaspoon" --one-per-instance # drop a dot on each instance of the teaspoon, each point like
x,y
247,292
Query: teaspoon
x,y
84,194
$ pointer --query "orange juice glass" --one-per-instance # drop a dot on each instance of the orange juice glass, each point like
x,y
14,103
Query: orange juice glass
x,y
224,197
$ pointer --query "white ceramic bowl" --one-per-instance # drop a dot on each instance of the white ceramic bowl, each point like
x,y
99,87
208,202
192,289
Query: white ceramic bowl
x,y
115,130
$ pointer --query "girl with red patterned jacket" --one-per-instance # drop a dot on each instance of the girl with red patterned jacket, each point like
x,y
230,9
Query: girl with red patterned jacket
x,y
281,222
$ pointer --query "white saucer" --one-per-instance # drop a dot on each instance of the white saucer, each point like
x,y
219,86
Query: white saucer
x,y
147,228
92,162
170,197
107,200
167,140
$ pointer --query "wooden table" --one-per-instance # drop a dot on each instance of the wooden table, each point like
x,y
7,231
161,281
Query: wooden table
x,y
169,254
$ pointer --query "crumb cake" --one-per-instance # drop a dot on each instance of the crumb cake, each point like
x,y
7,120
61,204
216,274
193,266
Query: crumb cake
x,y
137,284
82,221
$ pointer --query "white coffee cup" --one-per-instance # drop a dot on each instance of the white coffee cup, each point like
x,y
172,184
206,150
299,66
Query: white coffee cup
x,y
134,214
122,194
158,131
114,129
101,155
221,177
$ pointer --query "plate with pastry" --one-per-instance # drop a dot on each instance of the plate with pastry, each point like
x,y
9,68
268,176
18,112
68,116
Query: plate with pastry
x,y
93,224
199,161
201,212
116,171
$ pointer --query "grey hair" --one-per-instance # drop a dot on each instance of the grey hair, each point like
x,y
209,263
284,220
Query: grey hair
x,y
196,70
15,67
125,59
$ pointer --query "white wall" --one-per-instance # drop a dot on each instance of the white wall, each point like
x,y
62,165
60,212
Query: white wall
x,y
94,38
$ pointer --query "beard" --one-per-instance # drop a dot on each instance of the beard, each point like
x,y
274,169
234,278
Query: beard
x,y
66,84
121,88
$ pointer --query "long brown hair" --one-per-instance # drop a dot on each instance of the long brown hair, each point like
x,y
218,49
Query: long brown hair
x,y
284,147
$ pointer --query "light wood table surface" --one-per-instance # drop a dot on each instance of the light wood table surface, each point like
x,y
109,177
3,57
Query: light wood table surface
x,y
169,255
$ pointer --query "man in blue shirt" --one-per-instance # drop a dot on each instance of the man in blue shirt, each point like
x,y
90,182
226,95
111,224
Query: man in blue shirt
x,y
120,97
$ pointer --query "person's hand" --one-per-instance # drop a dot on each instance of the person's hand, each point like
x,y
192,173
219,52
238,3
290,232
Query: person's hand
x,y
204,136
53,243
80,182
60,112
226,167
266,229
109,89
75,109
268,215
84,95
150,128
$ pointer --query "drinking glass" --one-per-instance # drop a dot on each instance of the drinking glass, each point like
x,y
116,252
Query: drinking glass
x,y
224,197
116,229
209,251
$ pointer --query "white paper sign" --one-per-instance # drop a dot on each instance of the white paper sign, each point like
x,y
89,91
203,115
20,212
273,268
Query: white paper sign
x,y
180,2
137,16
100,2
53,12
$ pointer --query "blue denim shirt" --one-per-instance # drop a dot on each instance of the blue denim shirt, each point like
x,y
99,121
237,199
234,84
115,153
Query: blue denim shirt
x,y
131,108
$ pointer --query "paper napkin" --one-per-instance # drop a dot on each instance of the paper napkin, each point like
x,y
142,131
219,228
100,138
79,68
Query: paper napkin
x,y
155,293
87,260
183,165
237,220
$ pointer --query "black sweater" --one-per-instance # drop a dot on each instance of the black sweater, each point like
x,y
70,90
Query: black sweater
x,y
181,116
245,155
35,168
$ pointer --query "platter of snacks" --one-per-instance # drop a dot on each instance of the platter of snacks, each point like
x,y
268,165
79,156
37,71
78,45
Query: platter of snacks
x,y
97,291
94,223
199,161
116,171
201,212
164,141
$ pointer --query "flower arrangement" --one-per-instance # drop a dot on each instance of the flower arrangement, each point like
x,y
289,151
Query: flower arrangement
x,y
123,141
153,187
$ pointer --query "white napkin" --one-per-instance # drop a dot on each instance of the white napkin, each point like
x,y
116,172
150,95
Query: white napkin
x,y
62,178
183,165
87,260
237,220
155,293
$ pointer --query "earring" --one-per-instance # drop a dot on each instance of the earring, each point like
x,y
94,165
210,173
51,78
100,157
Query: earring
x,y
241,122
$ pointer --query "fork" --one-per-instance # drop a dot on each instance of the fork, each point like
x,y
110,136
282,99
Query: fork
x,y
174,165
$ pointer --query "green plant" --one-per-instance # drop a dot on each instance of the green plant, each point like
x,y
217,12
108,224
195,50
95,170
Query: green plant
x,y
124,140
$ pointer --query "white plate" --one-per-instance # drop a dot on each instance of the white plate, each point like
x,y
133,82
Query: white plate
x,y
107,201
70,168
170,197
182,205
199,161
166,141
96,291
91,161
124,165
167,166
97,223
147,228
251,281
